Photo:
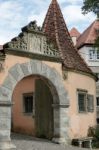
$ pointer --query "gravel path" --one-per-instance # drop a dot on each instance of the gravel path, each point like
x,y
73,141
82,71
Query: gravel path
x,y
23,142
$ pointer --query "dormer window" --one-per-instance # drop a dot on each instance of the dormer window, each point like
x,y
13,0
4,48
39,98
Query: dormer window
x,y
94,54
91,54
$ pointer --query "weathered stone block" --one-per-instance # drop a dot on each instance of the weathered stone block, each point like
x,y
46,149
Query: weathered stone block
x,y
8,83
52,75
5,112
7,145
57,131
5,93
4,134
44,70
26,68
36,67
5,123
64,101
64,122
16,72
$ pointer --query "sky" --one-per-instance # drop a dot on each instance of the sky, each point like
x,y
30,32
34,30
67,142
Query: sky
x,y
14,14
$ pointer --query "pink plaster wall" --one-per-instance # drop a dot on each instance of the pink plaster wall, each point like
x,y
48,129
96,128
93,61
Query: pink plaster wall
x,y
80,122
22,123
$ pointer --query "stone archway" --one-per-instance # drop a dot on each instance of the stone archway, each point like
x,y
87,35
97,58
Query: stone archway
x,y
60,103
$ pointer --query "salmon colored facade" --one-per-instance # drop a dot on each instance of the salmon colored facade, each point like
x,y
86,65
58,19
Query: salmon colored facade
x,y
45,62
80,122
26,124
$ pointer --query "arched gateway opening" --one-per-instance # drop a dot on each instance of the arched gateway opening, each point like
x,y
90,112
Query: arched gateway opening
x,y
32,110
59,104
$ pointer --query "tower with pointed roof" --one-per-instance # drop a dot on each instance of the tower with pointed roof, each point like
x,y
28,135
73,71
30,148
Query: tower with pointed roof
x,y
44,62
56,30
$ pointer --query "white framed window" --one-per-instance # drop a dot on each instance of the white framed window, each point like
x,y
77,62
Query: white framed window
x,y
82,96
85,101
93,54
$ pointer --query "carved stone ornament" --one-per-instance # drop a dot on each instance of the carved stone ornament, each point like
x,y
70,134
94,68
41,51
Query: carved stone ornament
x,y
32,26
33,40
19,42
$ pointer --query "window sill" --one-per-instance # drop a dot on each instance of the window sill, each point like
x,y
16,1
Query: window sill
x,y
92,60
28,114
83,112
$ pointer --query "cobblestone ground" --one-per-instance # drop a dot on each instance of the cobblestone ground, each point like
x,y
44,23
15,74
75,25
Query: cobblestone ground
x,y
29,143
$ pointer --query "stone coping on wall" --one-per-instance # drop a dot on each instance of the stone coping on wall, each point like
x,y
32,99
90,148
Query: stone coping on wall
x,y
32,55
6,103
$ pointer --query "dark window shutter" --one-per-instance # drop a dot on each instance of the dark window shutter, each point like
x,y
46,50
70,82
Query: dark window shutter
x,y
90,103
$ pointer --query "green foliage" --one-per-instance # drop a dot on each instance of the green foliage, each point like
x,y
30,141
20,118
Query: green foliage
x,y
97,132
91,6
94,132
91,132
96,45
97,42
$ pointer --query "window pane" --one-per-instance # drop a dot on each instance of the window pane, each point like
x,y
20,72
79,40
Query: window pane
x,y
97,54
97,101
81,102
28,104
90,103
97,120
91,54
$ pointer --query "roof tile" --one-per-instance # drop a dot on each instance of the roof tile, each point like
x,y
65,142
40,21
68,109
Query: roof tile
x,y
56,30
74,32
89,35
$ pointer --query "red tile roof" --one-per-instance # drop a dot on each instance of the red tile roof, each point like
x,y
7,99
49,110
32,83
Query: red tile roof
x,y
89,35
74,32
56,30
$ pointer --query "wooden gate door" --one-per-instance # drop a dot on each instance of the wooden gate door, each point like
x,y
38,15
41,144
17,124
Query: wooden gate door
x,y
43,110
